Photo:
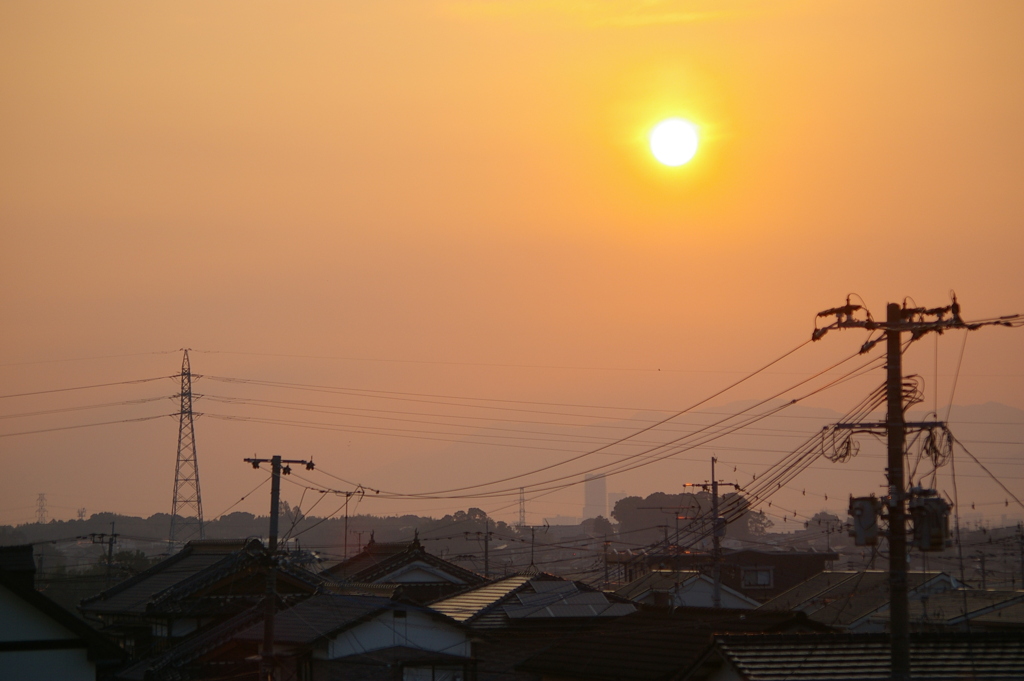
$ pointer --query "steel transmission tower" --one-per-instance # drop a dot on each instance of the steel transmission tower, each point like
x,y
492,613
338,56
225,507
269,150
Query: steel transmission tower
x,y
187,508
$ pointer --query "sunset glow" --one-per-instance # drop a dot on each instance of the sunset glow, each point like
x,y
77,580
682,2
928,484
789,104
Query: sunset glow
x,y
442,243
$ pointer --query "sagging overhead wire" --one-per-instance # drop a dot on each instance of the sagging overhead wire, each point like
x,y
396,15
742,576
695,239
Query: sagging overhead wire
x,y
89,387
88,425
648,456
62,410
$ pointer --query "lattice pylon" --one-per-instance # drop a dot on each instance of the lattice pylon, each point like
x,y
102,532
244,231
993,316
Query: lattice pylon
x,y
187,508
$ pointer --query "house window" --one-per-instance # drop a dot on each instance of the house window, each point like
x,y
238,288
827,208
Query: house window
x,y
758,578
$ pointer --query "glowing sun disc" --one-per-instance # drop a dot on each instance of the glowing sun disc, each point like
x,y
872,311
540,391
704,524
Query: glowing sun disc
x,y
674,141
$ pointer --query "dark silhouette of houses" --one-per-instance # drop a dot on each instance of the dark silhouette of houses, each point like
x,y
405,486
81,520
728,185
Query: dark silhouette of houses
x,y
653,644
517,616
760,575
39,639
860,657
327,636
206,583
412,574
859,601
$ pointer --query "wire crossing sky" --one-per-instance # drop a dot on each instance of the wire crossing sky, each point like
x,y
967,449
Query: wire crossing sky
x,y
433,248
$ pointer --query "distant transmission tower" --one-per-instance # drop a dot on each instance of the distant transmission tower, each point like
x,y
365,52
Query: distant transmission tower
x,y
41,513
187,509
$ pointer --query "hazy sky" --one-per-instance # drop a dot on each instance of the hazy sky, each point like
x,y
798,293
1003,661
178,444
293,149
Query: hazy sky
x,y
456,199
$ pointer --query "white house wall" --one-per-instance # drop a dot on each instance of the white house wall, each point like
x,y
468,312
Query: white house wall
x,y
415,630
42,665
19,621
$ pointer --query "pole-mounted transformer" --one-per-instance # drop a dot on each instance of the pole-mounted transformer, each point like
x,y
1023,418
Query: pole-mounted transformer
x,y
865,512
930,514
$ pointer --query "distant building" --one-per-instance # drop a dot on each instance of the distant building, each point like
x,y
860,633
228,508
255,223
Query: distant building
x,y
595,497
614,498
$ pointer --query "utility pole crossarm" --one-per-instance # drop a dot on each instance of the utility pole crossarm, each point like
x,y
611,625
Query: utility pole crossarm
x,y
918,321
880,425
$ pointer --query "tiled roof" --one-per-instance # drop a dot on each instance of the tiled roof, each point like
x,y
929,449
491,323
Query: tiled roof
x,y
1011,616
372,555
176,586
530,597
378,560
805,591
135,594
841,599
325,614
650,645
469,605
865,657
949,607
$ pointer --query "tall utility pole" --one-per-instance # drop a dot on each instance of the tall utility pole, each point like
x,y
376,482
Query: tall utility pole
x,y
717,531
918,322
267,671
187,507
716,594
487,548
522,507
896,433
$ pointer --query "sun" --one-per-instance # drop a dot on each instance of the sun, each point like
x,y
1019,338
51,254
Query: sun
x,y
674,141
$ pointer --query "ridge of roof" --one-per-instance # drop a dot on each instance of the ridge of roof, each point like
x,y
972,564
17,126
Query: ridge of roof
x,y
195,547
377,559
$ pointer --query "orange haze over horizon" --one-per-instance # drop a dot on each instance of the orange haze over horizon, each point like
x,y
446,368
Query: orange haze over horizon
x,y
455,199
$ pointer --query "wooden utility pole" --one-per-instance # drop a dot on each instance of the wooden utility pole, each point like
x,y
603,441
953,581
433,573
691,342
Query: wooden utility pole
x,y
716,539
899,625
918,322
267,670
717,531
487,548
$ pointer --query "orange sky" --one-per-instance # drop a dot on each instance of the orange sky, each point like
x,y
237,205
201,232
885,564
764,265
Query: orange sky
x,y
451,186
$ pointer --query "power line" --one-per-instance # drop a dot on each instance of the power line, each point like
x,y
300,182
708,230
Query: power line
x,y
87,425
122,403
88,387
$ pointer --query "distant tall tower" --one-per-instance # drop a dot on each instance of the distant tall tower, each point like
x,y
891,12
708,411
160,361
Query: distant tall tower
x,y
595,497
187,508
522,507
42,515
